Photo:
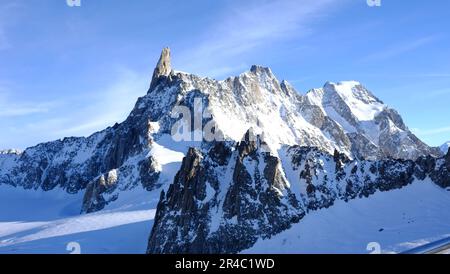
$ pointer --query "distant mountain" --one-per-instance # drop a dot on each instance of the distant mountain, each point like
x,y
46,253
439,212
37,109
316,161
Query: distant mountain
x,y
372,129
444,148
280,154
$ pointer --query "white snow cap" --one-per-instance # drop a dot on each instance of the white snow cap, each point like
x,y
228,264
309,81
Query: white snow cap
x,y
444,148
363,105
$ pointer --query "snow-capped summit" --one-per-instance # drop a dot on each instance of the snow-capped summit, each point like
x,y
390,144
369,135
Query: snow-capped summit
x,y
363,105
374,130
343,116
444,148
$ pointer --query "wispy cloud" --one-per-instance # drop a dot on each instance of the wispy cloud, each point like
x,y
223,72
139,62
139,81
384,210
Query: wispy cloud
x,y
431,132
10,107
110,105
22,110
7,13
399,49
79,116
249,26
424,75
431,94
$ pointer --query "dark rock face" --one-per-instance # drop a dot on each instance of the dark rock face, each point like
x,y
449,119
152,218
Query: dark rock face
x,y
94,199
248,196
441,174
360,144
185,196
106,188
198,216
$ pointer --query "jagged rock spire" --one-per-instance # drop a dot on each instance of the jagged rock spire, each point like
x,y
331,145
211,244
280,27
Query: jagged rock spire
x,y
163,67
287,88
260,69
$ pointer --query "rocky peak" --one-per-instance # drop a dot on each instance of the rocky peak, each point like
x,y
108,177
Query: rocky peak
x,y
163,68
287,88
445,147
188,183
248,144
352,89
256,69
190,164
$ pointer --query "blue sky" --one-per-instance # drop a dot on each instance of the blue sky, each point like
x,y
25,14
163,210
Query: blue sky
x,y
70,71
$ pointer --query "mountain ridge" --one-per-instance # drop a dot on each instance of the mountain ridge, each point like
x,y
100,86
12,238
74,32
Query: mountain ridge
x,y
276,155
120,157
226,204
163,71
254,99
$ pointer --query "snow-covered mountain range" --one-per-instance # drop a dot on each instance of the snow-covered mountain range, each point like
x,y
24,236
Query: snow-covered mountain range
x,y
280,156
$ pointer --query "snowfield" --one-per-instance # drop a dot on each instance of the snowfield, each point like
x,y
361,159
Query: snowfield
x,y
398,220
46,222
36,221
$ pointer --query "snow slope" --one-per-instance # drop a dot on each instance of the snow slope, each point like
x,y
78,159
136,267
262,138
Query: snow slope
x,y
398,220
46,222
40,221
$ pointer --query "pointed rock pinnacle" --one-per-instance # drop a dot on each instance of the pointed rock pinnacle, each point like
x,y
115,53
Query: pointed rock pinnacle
x,y
163,67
